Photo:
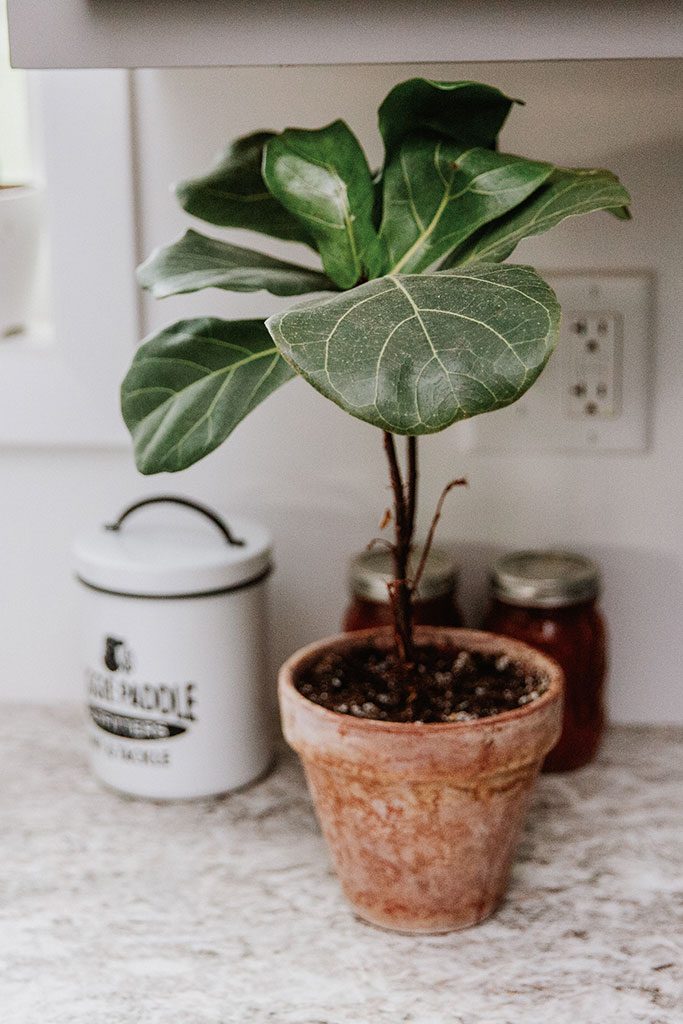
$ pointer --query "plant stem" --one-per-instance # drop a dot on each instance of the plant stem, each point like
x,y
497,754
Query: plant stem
x,y
411,496
400,588
460,482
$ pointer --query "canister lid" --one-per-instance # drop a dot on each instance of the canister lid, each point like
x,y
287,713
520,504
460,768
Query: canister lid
x,y
545,579
172,553
371,571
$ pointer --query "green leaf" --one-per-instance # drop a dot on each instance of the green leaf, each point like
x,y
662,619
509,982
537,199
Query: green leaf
x,y
414,353
234,194
568,192
195,262
323,178
467,112
190,385
438,193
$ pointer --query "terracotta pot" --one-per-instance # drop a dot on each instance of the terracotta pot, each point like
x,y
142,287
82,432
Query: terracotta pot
x,y
422,821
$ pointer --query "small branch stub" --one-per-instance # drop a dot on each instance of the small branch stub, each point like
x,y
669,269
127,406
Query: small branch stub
x,y
460,482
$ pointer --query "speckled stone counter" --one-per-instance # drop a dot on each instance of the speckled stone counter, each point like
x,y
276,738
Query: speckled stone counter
x,y
115,911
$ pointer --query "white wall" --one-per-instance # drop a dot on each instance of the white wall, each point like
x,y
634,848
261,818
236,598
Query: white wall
x,y
15,155
316,476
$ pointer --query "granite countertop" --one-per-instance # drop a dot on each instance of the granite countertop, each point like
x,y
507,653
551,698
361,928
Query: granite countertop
x,y
220,911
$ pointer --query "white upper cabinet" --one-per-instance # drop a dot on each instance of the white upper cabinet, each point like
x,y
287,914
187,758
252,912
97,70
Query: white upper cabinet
x,y
172,33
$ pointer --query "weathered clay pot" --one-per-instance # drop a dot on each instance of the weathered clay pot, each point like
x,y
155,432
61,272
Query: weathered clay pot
x,y
422,821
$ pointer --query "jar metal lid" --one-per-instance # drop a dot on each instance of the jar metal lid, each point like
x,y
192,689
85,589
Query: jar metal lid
x,y
158,554
371,571
545,579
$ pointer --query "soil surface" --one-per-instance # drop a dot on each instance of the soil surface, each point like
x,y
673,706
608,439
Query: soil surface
x,y
443,686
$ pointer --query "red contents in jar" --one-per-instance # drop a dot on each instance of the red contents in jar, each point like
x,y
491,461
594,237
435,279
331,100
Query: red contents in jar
x,y
434,602
575,637
439,611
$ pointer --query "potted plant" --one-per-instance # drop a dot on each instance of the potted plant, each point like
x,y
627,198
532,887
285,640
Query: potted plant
x,y
420,745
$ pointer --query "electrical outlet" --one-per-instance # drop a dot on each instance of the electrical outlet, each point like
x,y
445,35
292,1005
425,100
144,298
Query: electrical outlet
x,y
592,363
592,396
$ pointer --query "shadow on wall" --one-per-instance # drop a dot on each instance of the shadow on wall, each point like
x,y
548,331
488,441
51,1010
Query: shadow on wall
x,y
313,541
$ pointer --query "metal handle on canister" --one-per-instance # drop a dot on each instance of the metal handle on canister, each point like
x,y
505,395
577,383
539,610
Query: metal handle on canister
x,y
173,499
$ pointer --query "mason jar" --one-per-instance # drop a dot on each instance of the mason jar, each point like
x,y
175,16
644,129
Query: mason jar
x,y
435,602
549,599
174,650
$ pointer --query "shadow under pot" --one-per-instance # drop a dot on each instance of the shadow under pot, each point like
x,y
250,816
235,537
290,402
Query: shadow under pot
x,y
422,819
549,599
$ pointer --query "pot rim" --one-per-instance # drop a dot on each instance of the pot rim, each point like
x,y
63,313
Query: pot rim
x,y
474,639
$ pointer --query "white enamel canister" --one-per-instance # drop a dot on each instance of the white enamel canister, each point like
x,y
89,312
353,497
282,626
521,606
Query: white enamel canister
x,y
175,650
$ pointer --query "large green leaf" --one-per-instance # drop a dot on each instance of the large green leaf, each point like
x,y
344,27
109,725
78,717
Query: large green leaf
x,y
467,112
438,193
323,178
568,191
414,353
195,262
191,384
234,194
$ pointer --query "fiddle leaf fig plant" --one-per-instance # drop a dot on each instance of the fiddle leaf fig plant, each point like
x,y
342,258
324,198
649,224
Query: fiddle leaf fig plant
x,y
438,193
216,371
415,321
234,194
413,353
322,178
196,262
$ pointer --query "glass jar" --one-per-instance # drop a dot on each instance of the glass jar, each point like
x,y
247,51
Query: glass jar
x,y
435,603
549,599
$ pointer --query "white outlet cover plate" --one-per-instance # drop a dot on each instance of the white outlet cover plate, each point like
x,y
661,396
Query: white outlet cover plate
x,y
544,419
